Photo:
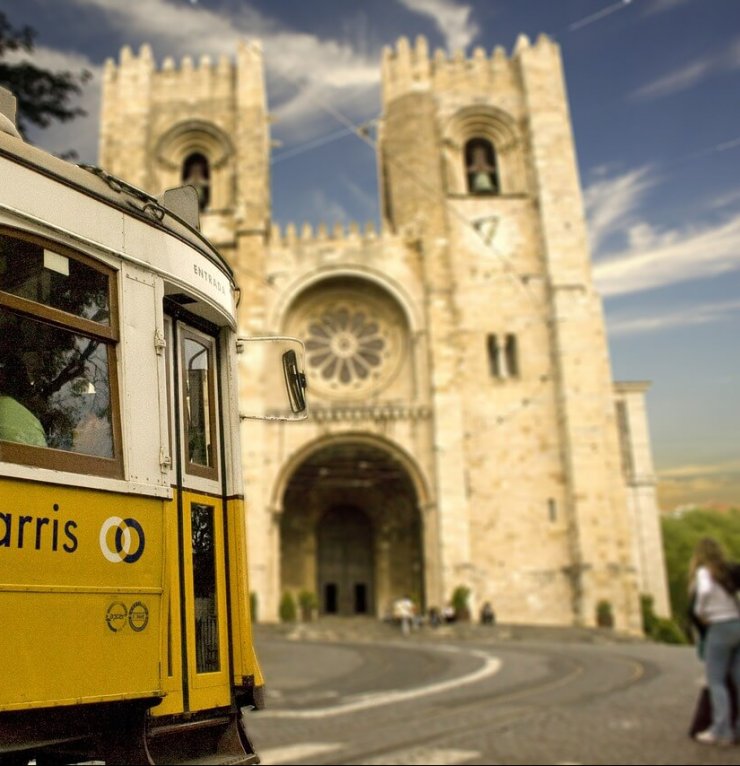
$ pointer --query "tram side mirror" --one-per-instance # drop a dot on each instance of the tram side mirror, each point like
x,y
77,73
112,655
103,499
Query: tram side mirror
x,y
295,380
272,381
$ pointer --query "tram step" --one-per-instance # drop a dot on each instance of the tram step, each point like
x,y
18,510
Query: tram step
x,y
217,760
187,726
216,740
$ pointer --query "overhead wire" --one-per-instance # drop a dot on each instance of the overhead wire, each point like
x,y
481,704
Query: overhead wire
x,y
362,132
521,280
598,15
310,145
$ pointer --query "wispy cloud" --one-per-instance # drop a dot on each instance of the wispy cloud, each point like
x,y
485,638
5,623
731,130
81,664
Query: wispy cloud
x,y
179,27
648,258
81,134
611,200
705,485
727,199
685,317
311,76
656,259
661,6
690,74
700,469
452,19
318,206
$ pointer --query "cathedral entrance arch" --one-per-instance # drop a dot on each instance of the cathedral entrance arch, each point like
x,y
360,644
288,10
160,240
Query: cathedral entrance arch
x,y
351,531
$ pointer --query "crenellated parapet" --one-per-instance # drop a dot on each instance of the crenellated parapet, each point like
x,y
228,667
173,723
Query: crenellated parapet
x,y
410,68
188,78
338,236
153,114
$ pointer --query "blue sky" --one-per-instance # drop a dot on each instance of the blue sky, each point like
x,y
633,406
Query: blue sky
x,y
654,88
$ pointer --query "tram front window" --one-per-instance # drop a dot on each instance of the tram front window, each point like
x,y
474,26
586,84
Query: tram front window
x,y
57,359
198,403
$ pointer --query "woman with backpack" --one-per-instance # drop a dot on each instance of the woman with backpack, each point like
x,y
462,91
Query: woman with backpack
x,y
717,609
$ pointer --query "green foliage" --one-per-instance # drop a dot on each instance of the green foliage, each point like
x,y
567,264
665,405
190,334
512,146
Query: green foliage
x,y
307,599
680,535
287,608
42,96
661,629
604,614
308,603
253,605
460,597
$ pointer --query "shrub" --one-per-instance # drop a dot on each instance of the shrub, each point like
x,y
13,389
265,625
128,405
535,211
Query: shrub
x,y
460,597
604,614
253,605
661,629
287,608
668,632
308,603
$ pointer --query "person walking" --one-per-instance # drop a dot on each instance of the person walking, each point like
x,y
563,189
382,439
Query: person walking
x,y
405,614
717,608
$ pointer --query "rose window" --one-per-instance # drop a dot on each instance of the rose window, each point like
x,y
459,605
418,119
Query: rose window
x,y
354,339
344,345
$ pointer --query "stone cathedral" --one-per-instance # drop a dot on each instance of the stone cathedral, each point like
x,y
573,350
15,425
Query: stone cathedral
x,y
465,429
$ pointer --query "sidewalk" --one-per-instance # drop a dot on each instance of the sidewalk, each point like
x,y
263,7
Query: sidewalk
x,y
364,629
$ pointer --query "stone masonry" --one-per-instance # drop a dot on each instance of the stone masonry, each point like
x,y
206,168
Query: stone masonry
x,y
465,428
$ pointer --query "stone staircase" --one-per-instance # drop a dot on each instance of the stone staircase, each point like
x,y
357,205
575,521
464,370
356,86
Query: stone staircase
x,y
364,629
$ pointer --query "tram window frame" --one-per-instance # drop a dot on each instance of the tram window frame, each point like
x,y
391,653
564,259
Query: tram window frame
x,y
210,471
107,334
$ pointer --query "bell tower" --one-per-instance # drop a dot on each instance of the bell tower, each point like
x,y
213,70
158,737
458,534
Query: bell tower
x,y
477,164
201,123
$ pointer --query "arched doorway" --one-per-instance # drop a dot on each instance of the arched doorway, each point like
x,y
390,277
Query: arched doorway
x,y
351,530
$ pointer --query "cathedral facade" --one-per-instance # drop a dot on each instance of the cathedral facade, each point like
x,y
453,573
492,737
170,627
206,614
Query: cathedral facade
x,y
465,430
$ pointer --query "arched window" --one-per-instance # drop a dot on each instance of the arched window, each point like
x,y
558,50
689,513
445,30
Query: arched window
x,y
196,172
480,167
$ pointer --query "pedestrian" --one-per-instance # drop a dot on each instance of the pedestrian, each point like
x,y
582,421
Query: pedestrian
x,y
404,610
435,618
716,606
487,615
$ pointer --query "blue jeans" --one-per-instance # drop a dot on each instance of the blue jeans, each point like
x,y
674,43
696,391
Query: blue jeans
x,y
722,659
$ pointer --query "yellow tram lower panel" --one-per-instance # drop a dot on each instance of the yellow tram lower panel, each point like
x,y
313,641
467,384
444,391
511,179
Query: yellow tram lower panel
x,y
81,590
91,602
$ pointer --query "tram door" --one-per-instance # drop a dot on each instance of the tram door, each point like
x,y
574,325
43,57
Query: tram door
x,y
200,645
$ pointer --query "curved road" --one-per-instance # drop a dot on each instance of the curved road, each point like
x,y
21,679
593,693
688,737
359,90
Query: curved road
x,y
478,701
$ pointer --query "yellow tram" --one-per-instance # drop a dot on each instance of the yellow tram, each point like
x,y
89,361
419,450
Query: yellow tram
x,y
124,603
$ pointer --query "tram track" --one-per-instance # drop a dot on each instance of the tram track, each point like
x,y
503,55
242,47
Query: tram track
x,y
462,717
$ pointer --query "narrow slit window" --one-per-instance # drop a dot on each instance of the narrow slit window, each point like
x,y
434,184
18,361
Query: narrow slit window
x,y
493,356
512,356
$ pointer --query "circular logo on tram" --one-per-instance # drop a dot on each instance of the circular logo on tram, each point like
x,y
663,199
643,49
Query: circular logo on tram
x,y
127,540
138,616
115,616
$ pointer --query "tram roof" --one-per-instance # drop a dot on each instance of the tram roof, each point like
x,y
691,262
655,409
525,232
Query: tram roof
x,y
101,185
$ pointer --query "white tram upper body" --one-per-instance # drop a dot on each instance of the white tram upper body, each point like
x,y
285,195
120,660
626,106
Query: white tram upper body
x,y
123,588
